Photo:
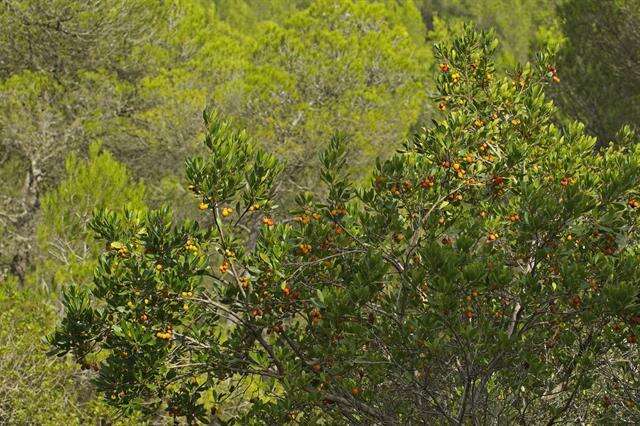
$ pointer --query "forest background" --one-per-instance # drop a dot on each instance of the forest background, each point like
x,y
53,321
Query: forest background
x,y
101,102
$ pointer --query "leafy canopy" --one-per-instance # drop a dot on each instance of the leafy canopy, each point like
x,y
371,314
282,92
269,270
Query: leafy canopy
x,y
488,272
599,56
67,251
337,65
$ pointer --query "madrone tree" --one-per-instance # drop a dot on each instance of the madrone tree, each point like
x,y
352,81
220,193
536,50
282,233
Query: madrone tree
x,y
488,274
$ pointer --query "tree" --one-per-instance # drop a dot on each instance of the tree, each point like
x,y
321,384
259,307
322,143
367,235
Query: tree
x,y
135,75
522,26
335,65
246,14
488,273
33,389
36,135
51,53
600,64
66,37
67,251
131,74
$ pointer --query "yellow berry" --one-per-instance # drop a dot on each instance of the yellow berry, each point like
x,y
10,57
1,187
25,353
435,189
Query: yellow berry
x,y
227,211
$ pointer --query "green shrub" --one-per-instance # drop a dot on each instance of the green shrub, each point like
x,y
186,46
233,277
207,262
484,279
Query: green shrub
x,y
488,273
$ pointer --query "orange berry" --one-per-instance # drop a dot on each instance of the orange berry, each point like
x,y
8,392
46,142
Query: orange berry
x,y
304,248
267,221
341,211
304,219
427,183
245,282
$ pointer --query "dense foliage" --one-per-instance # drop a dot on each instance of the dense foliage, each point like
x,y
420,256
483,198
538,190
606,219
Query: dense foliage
x,y
101,103
601,64
522,26
487,273
25,320
319,73
152,68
